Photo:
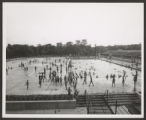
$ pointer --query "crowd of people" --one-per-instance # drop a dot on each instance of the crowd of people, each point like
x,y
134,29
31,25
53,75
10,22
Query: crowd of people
x,y
61,72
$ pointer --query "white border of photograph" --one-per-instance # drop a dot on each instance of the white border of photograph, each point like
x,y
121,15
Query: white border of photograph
x,y
62,115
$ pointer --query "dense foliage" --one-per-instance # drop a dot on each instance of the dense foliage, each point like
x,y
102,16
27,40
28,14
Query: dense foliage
x,y
80,48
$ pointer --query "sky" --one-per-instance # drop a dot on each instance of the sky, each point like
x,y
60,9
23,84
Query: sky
x,y
98,23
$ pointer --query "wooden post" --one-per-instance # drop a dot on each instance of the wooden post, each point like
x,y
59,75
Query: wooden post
x,y
107,96
86,97
116,107
55,111
88,108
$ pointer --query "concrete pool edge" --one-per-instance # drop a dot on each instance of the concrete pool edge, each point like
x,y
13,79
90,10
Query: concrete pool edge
x,y
45,104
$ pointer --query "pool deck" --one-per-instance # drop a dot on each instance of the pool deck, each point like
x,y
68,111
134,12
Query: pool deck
x,y
122,103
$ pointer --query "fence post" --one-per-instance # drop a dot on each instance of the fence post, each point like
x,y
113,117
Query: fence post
x,y
107,96
116,107
86,100
85,96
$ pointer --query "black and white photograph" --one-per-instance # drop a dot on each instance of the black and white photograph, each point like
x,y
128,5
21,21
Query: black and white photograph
x,y
73,60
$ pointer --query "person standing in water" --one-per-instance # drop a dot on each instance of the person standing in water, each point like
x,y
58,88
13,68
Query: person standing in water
x,y
107,76
50,73
44,71
113,81
69,91
27,84
7,71
123,77
65,81
111,76
91,80
35,69
85,78
135,79
40,81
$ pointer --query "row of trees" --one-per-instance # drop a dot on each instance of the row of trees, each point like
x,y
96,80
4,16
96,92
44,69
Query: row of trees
x,y
80,48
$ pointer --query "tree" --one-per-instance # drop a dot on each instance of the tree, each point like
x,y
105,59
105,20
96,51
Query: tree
x,y
69,44
59,44
84,42
78,49
78,42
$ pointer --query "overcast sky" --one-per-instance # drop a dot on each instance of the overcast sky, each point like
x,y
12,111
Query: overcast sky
x,y
99,23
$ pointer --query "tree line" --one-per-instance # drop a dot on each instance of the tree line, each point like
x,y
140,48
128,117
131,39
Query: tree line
x,y
79,48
